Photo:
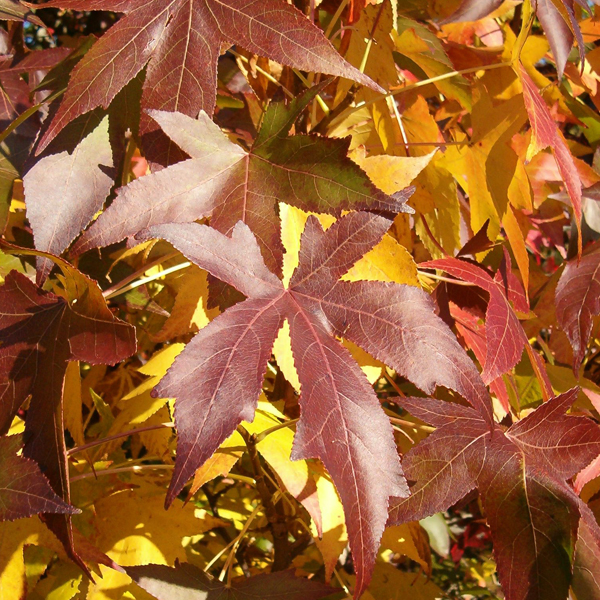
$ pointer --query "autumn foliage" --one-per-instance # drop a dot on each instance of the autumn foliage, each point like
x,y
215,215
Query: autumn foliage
x,y
299,300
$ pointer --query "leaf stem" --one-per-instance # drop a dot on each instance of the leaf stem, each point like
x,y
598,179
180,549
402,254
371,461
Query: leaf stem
x,y
262,72
144,280
146,267
131,469
446,279
335,18
413,86
116,436
263,434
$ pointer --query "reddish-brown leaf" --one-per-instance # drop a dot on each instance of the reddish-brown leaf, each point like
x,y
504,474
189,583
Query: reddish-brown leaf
x,y
24,490
40,332
546,134
578,301
521,473
505,336
341,421
180,41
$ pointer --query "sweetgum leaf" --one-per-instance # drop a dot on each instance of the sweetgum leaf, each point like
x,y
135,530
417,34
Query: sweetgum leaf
x,y
545,133
180,41
74,178
230,184
578,301
218,377
187,582
521,474
24,490
560,25
473,10
13,10
40,332
505,336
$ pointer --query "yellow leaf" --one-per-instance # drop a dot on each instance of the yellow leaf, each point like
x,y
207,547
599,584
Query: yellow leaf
x,y
419,44
72,404
135,529
517,243
436,200
158,442
406,540
393,584
371,48
276,449
14,536
62,582
138,405
391,173
17,426
388,261
190,311
221,462
334,535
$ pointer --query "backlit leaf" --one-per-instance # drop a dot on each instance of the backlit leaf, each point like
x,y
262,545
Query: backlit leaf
x,y
180,42
336,400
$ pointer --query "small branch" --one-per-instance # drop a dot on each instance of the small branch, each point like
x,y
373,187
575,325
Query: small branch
x,y
336,17
390,380
431,236
262,72
236,543
276,516
263,434
446,279
413,86
116,436
109,292
412,425
132,469
148,279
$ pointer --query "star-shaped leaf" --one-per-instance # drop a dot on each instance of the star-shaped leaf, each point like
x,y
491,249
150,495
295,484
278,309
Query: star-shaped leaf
x,y
521,474
180,41
24,490
505,336
217,379
190,582
40,332
232,184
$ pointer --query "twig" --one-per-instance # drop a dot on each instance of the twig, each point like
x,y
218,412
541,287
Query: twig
x,y
116,436
276,516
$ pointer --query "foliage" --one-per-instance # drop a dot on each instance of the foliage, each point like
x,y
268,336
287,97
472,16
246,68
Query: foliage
x,y
320,278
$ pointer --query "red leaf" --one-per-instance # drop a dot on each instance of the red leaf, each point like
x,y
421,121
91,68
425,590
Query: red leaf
x,y
521,474
545,133
40,332
559,33
341,421
180,41
505,336
24,490
578,301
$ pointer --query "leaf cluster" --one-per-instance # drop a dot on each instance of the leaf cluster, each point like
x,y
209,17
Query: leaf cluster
x,y
299,300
